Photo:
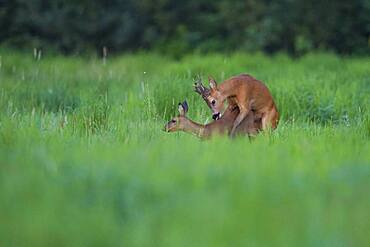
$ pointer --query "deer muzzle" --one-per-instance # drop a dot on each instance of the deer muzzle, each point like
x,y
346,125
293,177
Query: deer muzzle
x,y
216,116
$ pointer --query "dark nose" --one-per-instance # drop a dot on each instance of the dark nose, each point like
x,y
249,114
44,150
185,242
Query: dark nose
x,y
216,116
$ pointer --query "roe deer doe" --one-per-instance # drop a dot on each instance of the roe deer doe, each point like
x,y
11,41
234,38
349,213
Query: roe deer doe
x,y
249,125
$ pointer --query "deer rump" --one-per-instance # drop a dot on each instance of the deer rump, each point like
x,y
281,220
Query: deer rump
x,y
251,125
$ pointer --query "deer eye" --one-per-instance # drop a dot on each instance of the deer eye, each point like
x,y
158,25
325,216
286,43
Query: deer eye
x,y
213,102
173,121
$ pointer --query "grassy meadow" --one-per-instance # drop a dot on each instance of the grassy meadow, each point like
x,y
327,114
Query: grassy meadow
x,y
84,160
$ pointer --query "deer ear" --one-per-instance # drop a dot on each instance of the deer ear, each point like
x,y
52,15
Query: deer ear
x,y
185,106
181,109
212,82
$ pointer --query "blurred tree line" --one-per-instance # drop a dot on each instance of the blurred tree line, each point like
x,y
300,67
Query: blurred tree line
x,y
180,26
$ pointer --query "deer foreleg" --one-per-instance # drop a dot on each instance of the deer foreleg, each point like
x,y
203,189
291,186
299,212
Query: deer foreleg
x,y
238,120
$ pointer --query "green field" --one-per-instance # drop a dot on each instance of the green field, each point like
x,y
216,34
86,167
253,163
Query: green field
x,y
83,160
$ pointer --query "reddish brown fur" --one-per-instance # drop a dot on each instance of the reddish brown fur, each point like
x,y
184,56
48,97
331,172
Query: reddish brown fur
x,y
248,94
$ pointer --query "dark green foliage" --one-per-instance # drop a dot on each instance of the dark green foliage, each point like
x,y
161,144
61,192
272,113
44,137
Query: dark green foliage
x,y
179,27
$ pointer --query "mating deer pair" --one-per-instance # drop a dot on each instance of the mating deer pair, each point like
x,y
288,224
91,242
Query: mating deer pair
x,y
251,108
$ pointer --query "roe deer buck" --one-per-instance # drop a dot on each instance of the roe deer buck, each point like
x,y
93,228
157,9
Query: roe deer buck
x,y
247,94
249,126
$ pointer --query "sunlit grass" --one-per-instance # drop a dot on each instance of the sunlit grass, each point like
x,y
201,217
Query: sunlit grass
x,y
83,160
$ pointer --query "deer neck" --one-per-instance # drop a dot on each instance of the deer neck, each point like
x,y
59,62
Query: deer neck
x,y
194,128
226,89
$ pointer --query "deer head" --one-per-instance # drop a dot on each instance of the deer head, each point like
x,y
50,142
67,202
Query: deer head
x,y
179,122
210,96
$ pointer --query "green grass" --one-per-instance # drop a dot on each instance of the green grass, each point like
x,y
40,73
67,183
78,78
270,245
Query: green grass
x,y
83,160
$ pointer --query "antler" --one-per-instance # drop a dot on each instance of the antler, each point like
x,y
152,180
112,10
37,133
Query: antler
x,y
201,89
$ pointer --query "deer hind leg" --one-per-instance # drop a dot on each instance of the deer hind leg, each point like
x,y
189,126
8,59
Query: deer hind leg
x,y
269,119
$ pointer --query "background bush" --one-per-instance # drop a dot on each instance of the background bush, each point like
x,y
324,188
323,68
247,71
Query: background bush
x,y
181,26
